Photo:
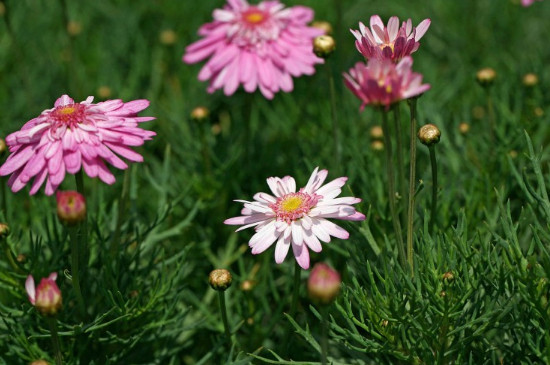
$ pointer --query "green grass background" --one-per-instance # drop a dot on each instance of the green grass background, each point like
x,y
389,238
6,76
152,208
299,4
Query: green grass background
x,y
150,303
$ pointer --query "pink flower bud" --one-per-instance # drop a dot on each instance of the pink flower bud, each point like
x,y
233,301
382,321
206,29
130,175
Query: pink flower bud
x,y
71,207
47,296
323,284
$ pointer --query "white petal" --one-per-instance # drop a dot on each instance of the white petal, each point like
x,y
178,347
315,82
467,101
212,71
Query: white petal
x,y
29,287
319,231
297,233
312,241
334,230
281,249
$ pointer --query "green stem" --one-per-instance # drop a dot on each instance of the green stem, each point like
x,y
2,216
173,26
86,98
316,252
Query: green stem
x,y
10,256
52,322
412,183
335,129
115,243
433,162
223,309
324,336
444,329
491,112
391,188
4,201
73,233
400,159
296,289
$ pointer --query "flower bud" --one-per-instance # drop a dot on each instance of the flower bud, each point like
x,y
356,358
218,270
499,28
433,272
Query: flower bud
x,y
326,27
323,46
71,207
47,296
463,127
377,145
4,230
429,134
104,92
3,147
486,76
39,362
376,132
74,28
530,80
220,279
168,37
448,277
200,113
323,284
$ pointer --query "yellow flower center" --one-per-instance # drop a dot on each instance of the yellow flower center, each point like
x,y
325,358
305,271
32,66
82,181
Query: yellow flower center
x,y
254,17
66,110
291,204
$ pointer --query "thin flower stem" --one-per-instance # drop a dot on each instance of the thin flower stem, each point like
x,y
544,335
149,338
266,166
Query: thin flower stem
x,y
115,243
324,335
434,187
400,159
335,128
4,201
391,188
412,183
73,233
52,322
10,256
223,310
491,111
296,289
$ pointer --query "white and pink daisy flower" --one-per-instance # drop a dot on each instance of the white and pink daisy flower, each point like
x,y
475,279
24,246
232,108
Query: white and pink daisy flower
x,y
391,42
72,136
297,219
258,46
382,82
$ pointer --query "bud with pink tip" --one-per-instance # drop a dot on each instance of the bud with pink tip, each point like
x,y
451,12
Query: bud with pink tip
x,y
71,207
323,284
47,296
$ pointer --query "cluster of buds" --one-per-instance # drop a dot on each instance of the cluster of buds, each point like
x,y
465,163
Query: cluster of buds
x,y
47,296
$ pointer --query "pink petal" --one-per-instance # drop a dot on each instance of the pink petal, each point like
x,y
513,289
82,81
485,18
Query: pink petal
x,y
301,254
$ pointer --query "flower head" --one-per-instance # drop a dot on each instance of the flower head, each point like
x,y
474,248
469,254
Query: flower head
x,y
383,83
391,42
259,46
324,283
297,218
72,136
220,279
47,296
71,207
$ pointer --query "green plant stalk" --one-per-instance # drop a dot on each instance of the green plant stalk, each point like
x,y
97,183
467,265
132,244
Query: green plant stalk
x,y
10,256
52,322
412,183
433,162
204,148
223,310
335,129
324,335
400,159
491,112
4,201
391,188
115,243
73,233
444,329
295,290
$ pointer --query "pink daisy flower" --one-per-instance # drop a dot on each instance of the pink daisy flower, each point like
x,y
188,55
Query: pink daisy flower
x,y
72,136
297,219
391,42
259,46
382,83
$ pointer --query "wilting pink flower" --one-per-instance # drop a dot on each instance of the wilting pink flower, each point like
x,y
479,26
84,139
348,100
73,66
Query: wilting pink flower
x,y
391,42
297,219
72,136
527,2
47,296
71,207
258,46
324,283
383,83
